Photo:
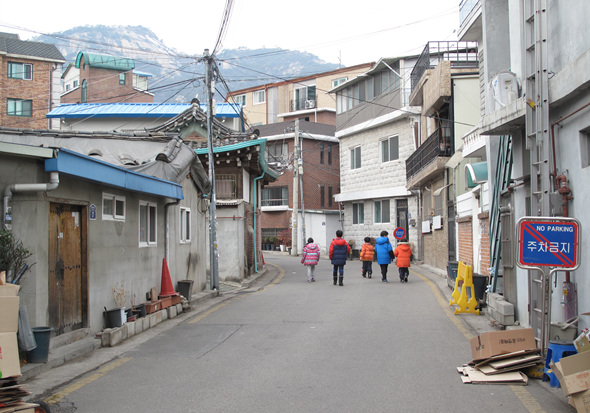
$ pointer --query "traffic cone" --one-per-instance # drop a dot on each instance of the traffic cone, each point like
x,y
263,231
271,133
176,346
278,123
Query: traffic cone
x,y
166,289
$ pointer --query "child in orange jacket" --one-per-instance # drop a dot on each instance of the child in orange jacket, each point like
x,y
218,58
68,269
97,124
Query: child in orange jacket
x,y
403,253
367,255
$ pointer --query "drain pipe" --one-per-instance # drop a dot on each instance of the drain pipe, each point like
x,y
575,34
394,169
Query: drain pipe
x,y
255,215
7,210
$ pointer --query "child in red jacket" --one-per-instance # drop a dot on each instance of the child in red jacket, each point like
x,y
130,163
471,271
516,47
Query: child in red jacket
x,y
403,253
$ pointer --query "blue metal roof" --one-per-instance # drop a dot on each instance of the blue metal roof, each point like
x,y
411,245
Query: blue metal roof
x,y
85,167
228,110
137,110
118,110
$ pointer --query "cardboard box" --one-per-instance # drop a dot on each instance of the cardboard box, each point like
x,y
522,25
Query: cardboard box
x,y
581,401
9,358
9,314
573,373
582,342
9,290
494,343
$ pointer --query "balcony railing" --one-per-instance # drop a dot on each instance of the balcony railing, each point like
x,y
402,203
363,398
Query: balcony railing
x,y
465,9
436,145
460,54
302,104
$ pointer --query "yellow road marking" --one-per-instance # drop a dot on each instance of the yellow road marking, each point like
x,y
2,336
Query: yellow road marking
x,y
57,397
529,402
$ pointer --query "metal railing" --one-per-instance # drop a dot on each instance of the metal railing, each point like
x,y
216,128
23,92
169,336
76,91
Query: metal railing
x,y
302,104
460,54
465,9
436,145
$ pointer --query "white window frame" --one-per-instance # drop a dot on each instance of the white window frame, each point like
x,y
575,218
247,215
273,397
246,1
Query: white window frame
x,y
386,155
379,206
240,99
151,236
339,81
359,214
355,158
26,74
114,216
185,222
259,97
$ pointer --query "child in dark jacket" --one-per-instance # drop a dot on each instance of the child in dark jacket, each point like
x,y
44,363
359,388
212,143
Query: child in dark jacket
x,y
367,255
339,250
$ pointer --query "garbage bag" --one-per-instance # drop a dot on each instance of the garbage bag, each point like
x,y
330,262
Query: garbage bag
x,y
25,337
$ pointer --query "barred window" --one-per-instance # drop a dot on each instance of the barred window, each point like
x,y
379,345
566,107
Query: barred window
x,y
226,186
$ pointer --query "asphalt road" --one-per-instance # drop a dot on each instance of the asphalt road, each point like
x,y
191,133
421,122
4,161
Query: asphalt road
x,y
286,345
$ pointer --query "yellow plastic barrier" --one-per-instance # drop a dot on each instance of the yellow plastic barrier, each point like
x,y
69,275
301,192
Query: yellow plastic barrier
x,y
464,281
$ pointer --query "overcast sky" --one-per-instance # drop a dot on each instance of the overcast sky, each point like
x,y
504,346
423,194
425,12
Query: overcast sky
x,y
343,32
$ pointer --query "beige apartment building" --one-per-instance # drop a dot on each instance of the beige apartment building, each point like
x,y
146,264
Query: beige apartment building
x,y
305,98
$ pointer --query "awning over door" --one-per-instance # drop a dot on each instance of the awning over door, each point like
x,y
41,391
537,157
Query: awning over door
x,y
475,174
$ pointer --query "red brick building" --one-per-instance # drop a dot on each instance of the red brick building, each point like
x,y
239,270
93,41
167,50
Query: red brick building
x,y
29,82
104,79
320,180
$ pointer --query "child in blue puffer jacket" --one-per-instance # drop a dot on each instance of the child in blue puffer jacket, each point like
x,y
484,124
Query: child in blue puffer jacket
x,y
384,252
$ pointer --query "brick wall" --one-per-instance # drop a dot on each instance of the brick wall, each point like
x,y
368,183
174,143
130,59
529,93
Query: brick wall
x,y
465,241
38,90
484,222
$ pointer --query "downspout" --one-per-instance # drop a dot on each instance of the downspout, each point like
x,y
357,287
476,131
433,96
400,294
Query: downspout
x,y
7,199
255,215
560,182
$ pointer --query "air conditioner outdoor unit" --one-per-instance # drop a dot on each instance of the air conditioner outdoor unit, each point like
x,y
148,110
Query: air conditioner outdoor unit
x,y
309,104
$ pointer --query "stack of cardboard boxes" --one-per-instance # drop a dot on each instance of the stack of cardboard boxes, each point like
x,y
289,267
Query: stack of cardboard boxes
x,y
573,373
10,391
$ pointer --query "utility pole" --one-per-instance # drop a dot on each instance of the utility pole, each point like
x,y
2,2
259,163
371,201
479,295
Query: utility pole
x,y
294,231
213,254
300,163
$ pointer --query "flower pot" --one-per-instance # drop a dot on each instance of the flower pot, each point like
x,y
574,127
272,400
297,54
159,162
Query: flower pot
x,y
185,288
140,308
116,317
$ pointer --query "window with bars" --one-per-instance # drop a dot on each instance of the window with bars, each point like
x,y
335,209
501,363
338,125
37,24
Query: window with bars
x,y
226,186
275,196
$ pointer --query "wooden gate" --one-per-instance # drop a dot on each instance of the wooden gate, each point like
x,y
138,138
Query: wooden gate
x,y
68,286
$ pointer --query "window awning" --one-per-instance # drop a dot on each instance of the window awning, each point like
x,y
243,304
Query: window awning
x,y
85,167
475,174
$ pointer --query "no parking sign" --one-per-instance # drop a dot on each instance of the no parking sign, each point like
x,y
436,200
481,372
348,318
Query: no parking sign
x,y
399,233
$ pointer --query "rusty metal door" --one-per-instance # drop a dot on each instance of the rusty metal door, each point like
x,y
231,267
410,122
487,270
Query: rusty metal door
x,y
67,267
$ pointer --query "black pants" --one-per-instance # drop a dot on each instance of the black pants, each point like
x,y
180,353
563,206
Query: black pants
x,y
384,271
403,272
367,267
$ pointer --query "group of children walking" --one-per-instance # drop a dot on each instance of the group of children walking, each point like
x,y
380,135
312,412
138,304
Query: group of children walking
x,y
339,250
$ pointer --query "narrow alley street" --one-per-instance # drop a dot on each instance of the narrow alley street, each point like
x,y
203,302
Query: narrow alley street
x,y
286,345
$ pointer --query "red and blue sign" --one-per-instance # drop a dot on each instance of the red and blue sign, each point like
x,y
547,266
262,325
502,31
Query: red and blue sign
x,y
548,242
399,233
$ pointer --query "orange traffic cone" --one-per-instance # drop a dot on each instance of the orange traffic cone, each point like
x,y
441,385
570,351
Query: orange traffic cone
x,y
167,289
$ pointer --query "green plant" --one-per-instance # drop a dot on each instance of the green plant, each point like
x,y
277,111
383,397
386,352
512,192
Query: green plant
x,y
273,240
13,254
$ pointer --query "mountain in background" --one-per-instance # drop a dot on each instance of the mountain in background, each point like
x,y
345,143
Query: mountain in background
x,y
176,76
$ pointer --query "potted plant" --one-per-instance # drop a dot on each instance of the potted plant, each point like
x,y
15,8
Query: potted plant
x,y
285,239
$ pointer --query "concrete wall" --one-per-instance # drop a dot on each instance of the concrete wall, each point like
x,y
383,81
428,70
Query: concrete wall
x,y
114,254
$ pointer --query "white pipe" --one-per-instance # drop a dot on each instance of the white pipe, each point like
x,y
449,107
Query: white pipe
x,y
50,186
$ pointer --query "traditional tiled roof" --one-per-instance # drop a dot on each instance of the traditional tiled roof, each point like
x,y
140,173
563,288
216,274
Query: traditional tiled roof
x,y
10,44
